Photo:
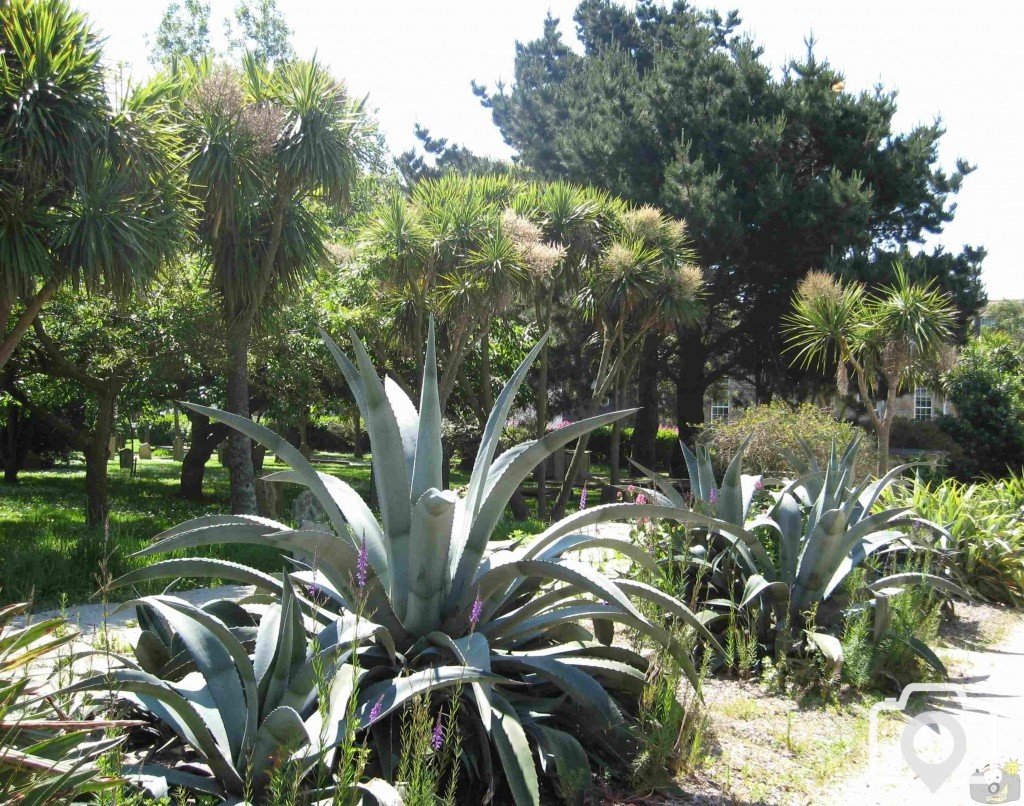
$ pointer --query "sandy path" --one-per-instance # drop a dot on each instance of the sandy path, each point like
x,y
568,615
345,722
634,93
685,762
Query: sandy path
x,y
992,719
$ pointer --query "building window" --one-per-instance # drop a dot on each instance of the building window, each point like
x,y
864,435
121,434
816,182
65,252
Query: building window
x,y
922,403
720,411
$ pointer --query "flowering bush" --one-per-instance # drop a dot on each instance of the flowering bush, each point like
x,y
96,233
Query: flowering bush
x,y
774,431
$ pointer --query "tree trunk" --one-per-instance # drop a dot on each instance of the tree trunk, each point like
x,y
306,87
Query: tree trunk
x,y
645,430
543,315
97,454
691,386
357,434
24,322
205,438
883,448
239,453
486,396
615,448
11,458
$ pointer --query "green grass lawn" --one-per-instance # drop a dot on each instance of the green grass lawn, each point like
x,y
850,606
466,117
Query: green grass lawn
x,y
47,553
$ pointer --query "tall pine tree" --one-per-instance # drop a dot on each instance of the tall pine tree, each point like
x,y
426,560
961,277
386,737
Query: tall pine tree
x,y
776,174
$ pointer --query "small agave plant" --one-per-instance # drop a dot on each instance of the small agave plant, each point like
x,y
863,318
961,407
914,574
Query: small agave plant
x,y
243,703
822,528
512,630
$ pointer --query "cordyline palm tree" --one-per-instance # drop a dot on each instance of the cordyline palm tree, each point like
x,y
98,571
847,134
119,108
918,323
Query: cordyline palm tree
x,y
643,281
264,143
90,188
574,221
894,336
449,251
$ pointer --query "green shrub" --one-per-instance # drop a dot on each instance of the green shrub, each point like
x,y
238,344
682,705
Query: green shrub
x,y
161,428
922,435
987,388
666,444
986,524
894,657
775,430
333,434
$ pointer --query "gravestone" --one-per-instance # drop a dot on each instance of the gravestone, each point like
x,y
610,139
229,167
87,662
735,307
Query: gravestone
x,y
268,498
145,451
178,449
126,457
307,512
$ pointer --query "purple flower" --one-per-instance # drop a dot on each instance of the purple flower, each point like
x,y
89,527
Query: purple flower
x,y
378,708
315,591
476,612
437,737
583,498
713,496
361,565
759,485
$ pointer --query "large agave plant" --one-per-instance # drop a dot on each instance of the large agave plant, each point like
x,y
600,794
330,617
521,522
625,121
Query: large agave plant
x,y
800,555
240,715
513,629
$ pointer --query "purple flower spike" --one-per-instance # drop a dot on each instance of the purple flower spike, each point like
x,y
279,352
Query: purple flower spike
x,y
583,498
476,612
361,565
713,496
437,737
377,710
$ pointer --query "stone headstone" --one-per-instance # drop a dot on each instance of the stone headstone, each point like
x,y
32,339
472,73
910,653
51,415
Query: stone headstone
x,y
268,498
306,510
558,462
145,451
178,449
126,457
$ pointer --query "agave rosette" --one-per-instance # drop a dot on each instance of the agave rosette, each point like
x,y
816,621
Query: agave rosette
x,y
523,632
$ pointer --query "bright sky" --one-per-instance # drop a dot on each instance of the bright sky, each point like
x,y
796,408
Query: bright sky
x,y
960,60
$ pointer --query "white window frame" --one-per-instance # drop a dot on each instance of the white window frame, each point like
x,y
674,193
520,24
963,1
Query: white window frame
x,y
923,410
720,411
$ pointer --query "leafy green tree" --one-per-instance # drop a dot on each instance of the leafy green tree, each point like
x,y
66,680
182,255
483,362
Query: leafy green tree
x,y
1007,316
260,30
264,144
890,339
776,175
183,33
95,354
91,193
987,388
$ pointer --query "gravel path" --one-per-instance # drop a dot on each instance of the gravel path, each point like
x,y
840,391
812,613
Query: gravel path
x,y
991,716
